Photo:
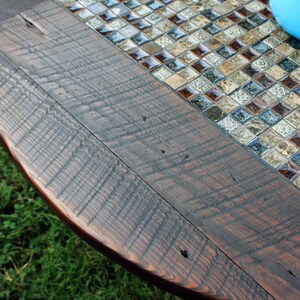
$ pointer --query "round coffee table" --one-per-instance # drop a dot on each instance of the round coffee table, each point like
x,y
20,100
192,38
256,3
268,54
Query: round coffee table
x,y
170,151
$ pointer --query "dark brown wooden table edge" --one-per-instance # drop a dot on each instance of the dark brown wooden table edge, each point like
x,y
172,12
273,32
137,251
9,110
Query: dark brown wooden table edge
x,y
135,268
97,244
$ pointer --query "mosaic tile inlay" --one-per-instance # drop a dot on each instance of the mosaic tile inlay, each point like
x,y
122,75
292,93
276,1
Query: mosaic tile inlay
x,y
229,58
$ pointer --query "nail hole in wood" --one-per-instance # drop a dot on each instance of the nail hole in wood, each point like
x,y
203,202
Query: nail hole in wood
x,y
28,23
163,151
144,118
186,156
184,253
291,273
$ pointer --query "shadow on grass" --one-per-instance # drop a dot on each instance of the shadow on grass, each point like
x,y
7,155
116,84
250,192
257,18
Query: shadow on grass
x,y
40,258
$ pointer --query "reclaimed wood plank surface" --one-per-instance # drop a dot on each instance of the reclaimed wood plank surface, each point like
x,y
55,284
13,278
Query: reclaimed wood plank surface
x,y
105,201
10,8
242,206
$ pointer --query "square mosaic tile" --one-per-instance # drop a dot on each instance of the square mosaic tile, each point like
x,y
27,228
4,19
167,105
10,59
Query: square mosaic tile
x,y
228,58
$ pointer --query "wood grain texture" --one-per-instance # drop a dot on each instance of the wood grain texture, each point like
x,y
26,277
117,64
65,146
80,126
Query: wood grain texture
x,y
99,196
10,8
242,206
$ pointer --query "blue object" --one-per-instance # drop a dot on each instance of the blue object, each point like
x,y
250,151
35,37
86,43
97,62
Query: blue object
x,y
287,13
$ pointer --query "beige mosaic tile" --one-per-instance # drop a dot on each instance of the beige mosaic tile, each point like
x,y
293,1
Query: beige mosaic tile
x,y
229,124
244,135
297,182
271,138
293,100
276,72
294,119
175,81
284,128
274,158
228,104
287,149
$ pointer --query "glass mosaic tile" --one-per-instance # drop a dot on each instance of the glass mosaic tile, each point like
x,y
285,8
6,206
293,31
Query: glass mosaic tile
x,y
265,80
281,109
288,149
229,124
258,147
228,58
289,170
215,113
296,139
256,126
202,103
296,159
255,107
270,117
273,158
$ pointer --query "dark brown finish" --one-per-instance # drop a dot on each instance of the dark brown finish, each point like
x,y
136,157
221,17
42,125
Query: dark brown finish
x,y
158,181
104,201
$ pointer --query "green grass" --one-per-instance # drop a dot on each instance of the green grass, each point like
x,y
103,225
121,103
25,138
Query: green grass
x,y
40,258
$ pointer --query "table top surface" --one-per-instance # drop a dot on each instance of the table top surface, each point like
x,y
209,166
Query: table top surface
x,y
165,133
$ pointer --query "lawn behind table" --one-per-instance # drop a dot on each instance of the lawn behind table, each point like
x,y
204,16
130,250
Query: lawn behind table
x,y
40,258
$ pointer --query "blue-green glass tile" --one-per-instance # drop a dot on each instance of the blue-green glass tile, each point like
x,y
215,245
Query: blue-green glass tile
x,y
201,103
258,147
242,115
253,88
270,117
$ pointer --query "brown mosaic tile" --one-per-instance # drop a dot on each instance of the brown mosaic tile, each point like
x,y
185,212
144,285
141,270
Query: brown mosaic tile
x,y
265,80
288,170
250,54
274,56
255,106
290,82
151,63
237,46
188,92
164,56
201,66
215,113
251,70
281,109
188,74
276,72
200,50
296,139
214,94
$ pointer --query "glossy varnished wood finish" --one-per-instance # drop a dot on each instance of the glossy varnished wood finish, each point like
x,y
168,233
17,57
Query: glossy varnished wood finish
x,y
241,206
